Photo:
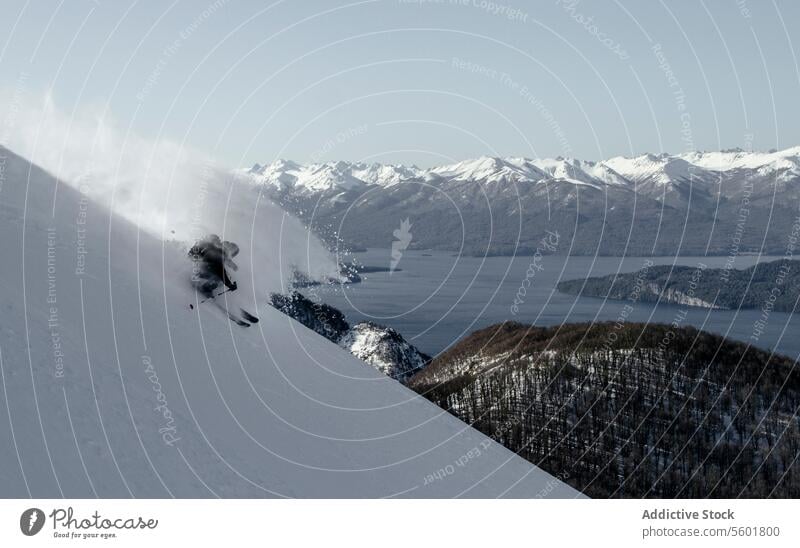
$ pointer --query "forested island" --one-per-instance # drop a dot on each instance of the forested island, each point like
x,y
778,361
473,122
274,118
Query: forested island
x,y
772,285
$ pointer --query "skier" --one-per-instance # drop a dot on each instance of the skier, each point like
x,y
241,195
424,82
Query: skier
x,y
212,257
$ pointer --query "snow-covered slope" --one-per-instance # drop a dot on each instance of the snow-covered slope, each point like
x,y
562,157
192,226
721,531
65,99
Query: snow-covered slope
x,y
579,172
662,169
488,170
764,162
113,387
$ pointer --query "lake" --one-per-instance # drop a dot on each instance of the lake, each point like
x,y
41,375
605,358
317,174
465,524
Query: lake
x,y
436,298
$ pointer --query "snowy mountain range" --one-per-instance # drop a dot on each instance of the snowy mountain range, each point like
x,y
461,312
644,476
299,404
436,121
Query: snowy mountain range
x,y
113,386
646,204
663,169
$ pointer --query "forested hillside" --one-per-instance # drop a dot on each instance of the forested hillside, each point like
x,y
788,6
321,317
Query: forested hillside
x,y
629,410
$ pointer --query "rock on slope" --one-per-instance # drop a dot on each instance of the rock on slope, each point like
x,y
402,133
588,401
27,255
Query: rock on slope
x,y
385,349
380,346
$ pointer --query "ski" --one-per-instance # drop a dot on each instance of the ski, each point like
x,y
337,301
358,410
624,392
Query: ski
x,y
249,317
237,321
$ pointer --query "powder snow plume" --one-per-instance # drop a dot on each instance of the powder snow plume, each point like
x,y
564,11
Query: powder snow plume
x,y
168,190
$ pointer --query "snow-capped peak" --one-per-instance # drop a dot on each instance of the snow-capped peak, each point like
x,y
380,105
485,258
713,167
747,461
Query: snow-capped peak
x,y
662,169
580,172
328,176
729,160
490,169
384,174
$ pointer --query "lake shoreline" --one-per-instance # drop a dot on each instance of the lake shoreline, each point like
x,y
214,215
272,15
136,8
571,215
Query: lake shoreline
x,y
436,299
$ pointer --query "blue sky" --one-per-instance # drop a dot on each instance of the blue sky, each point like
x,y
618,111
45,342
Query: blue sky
x,y
421,82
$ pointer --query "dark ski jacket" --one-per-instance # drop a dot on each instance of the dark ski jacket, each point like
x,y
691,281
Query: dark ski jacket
x,y
212,257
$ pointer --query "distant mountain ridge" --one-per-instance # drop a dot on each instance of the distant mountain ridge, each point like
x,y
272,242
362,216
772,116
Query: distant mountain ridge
x,y
619,170
649,204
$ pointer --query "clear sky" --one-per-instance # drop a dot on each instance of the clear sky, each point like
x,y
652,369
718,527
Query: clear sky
x,y
417,81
